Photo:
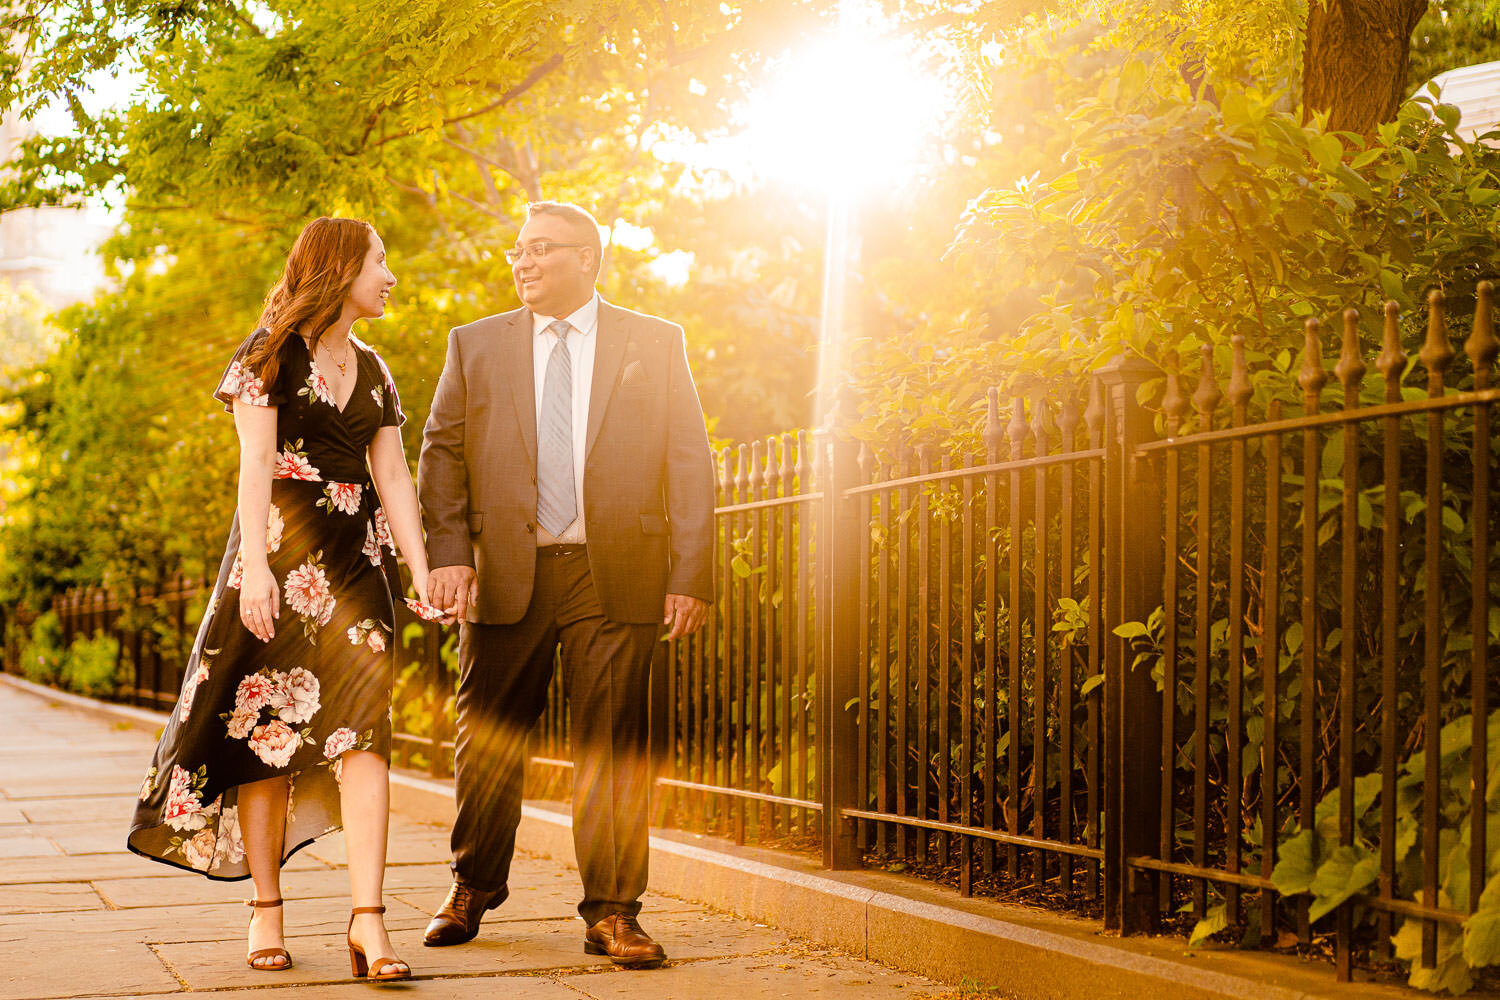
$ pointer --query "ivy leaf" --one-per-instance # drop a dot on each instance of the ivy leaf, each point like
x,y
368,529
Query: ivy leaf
x,y
1089,685
1482,938
1131,630
1347,871
1296,864
1212,923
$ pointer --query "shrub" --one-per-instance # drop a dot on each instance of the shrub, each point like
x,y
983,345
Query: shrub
x,y
91,666
41,659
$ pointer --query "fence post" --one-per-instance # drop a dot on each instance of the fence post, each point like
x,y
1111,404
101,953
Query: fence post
x,y
839,684
1132,706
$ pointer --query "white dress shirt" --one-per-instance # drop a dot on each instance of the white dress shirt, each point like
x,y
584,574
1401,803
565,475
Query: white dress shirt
x,y
581,342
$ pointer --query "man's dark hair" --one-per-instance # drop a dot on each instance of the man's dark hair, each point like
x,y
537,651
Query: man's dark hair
x,y
579,219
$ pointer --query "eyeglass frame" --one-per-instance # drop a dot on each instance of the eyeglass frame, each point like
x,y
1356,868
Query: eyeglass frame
x,y
538,250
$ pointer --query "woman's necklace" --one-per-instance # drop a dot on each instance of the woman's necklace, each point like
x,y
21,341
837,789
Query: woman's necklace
x,y
342,364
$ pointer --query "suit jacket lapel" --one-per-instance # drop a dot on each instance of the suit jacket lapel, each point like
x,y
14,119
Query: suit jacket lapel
x,y
609,353
517,361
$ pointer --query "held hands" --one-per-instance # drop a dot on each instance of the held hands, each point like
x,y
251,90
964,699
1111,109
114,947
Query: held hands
x,y
452,588
260,602
684,615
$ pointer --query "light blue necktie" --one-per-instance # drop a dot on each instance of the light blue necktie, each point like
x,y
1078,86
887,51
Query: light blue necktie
x,y
556,499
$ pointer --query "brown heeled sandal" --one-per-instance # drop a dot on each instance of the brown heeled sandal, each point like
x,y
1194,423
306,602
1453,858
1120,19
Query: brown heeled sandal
x,y
362,967
261,953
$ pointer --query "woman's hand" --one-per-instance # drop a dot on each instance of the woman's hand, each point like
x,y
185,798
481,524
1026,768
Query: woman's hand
x,y
419,584
260,602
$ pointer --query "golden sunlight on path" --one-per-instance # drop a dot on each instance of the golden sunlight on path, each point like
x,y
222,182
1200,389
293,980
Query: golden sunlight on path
x,y
82,917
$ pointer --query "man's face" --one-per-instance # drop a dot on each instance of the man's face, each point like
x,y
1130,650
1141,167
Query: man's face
x,y
563,280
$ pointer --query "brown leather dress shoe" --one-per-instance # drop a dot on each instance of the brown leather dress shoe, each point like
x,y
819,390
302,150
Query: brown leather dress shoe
x,y
622,939
458,920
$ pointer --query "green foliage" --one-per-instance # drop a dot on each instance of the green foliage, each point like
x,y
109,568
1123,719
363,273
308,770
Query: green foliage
x,y
1312,861
92,666
42,656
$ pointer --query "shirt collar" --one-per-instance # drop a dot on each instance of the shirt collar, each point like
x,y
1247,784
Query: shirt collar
x,y
583,321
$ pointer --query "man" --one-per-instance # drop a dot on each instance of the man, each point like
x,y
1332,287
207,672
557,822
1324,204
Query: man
x,y
566,487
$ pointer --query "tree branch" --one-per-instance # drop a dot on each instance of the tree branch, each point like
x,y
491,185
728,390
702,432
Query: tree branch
x,y
531,80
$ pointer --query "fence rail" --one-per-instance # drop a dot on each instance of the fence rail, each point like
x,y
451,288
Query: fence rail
x,y
1115,654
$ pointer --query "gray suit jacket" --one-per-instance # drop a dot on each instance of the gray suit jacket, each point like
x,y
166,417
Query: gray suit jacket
x,y
648,481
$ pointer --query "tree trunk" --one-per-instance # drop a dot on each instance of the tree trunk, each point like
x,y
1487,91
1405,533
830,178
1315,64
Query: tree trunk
x,y
1355,60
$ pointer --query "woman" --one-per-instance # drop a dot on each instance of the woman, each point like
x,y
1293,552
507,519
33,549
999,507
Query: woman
x,y
282,731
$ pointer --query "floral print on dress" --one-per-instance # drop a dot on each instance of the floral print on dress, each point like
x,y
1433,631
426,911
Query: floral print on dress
x,y
383,530
368,632
184,809
341,496
292,696
308,594
371,550
378,395
317,386
341,742
190,689
242,384
292,463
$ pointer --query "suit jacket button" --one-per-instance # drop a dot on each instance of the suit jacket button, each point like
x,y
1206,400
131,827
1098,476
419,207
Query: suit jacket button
x,y
531,528
533,480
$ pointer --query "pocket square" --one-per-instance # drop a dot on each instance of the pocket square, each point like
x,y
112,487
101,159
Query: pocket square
x,y
634,374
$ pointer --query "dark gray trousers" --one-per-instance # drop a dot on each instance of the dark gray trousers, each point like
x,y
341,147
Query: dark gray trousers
x,y
504,673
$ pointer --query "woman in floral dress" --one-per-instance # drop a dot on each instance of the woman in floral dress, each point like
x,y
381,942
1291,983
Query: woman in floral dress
x,y
282,731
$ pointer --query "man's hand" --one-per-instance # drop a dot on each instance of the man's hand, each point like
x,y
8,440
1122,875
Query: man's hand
x,y
452,588
685,615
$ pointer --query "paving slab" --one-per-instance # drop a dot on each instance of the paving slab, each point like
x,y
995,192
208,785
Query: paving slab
x,y
116,809
92,962
762,978
37,898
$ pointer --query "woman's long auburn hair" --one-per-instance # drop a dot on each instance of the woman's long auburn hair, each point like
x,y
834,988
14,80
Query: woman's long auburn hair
x,y
310,294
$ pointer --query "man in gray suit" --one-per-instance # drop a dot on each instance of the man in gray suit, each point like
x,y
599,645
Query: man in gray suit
x,y
567,491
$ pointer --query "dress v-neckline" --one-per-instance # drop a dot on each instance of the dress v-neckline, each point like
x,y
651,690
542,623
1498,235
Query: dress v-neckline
x,y
312,363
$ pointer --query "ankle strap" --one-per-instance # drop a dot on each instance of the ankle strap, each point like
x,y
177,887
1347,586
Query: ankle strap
x,y
366,909
262,903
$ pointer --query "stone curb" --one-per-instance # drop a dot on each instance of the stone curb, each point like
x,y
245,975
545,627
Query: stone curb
x,y
898,921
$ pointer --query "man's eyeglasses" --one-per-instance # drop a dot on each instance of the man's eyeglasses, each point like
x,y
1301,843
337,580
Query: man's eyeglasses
x,y
537,250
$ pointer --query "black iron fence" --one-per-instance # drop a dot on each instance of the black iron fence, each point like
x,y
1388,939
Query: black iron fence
x,y
1139,656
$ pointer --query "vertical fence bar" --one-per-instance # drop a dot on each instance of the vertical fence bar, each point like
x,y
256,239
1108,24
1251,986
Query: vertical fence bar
x,y
750,702
739,690
1132,707
805,515
1205,399
788,608
1435,354
864,511
1481,348
1270,673
1392,364
966,688
1093,419
840,681
1016,431
1311,378
883,742
924,632
945,665
905,631
1067,443
720,748
1234,783
1039,634
1175,407
993,435
1350,370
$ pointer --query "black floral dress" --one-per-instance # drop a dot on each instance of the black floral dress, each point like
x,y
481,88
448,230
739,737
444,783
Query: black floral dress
x,y
251,710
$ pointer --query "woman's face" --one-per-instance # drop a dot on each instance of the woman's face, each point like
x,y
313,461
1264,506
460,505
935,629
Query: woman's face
x,y
372,289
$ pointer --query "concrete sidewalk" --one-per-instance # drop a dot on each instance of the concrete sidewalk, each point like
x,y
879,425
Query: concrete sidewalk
x,y
82,917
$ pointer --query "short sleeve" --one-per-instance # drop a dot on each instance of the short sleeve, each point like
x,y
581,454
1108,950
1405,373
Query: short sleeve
x,y
242,384
391,414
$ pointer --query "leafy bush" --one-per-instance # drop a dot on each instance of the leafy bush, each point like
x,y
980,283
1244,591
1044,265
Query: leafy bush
x,y
92,666
42,657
